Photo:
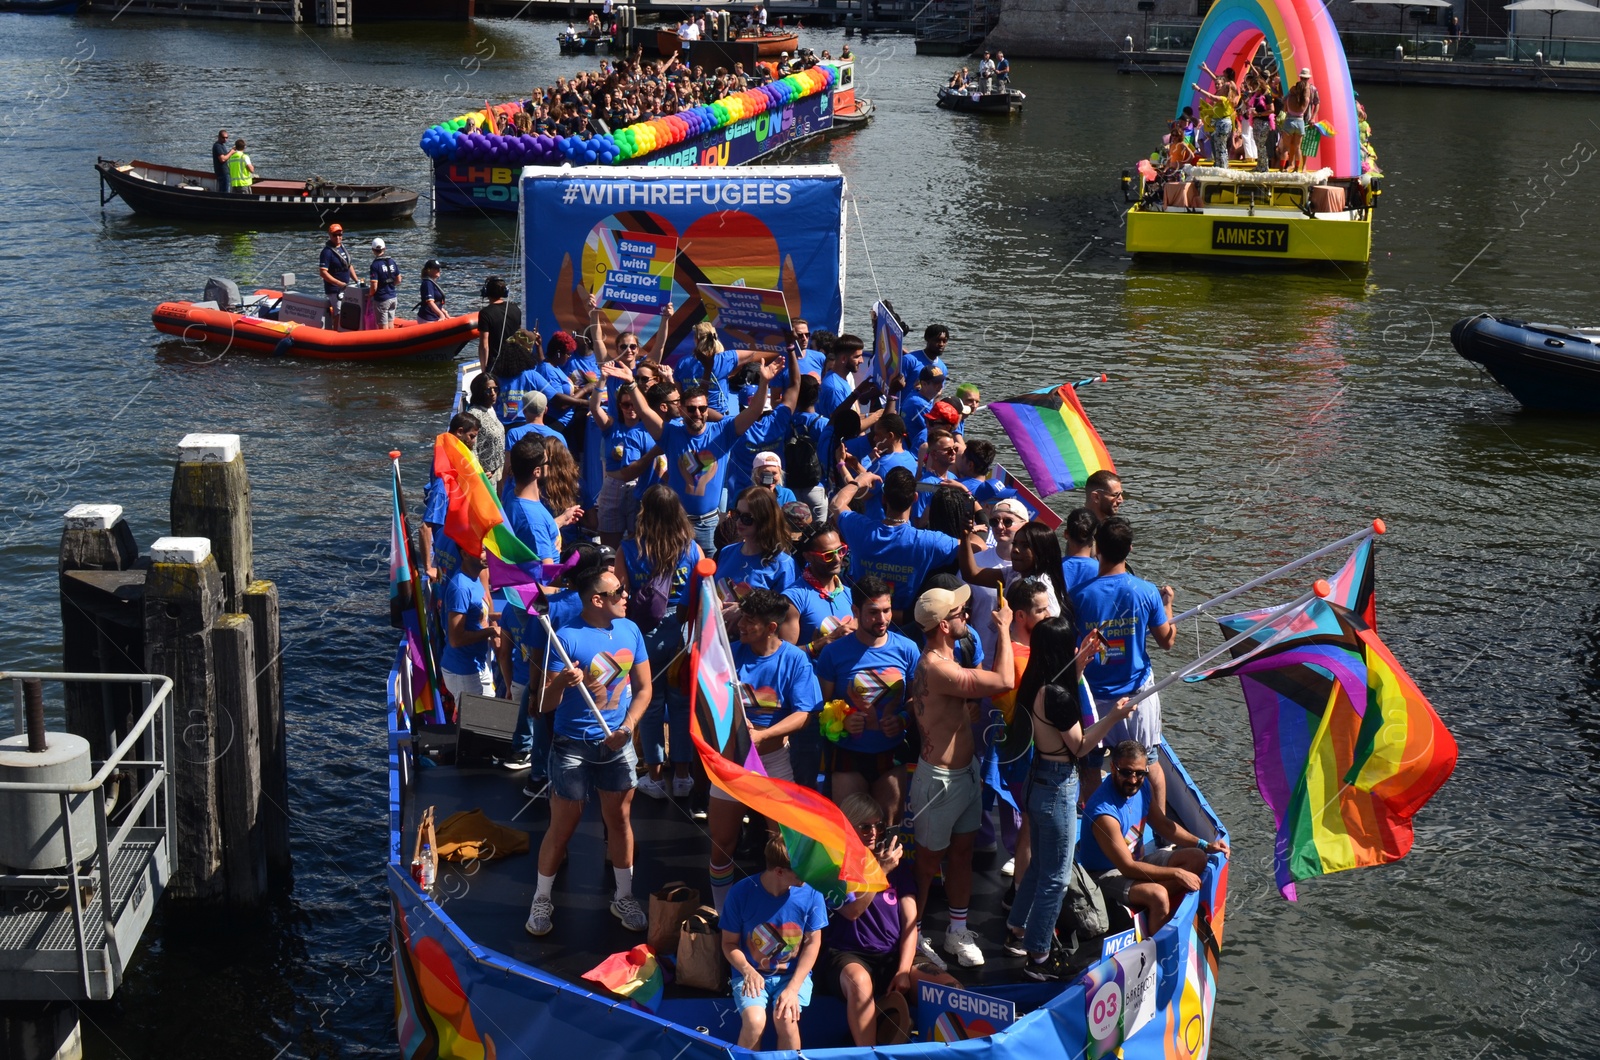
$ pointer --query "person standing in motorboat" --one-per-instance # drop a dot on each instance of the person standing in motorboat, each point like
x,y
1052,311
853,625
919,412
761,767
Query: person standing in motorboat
x,y
430,307
241,171
1002,69
219,160
337,270
383,277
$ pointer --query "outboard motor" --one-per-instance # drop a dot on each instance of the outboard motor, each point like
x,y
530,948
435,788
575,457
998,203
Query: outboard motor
x,y
225,293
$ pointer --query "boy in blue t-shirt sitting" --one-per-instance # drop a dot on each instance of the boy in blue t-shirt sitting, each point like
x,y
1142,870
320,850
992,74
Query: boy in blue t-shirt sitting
x,y
771,934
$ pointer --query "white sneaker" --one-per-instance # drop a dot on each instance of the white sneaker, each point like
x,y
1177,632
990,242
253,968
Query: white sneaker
x,y
682,787
963,946
1009,868
930,953
625,907
651,787
540,916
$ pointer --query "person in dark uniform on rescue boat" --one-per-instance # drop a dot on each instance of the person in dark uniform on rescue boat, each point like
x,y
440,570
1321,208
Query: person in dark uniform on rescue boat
x,y
337,270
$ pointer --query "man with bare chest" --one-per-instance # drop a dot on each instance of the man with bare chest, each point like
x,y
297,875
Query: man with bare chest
x,y
947,788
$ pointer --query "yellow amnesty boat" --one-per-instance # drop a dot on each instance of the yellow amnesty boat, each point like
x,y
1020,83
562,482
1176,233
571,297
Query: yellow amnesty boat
x,y
1321,215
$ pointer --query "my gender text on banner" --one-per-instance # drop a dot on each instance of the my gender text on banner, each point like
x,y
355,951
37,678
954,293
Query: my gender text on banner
x,y
950,1014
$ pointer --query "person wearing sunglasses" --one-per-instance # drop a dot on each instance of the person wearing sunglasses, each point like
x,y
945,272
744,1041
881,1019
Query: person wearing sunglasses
x,y
611,662
759,556
1128,872
947,787
1103,494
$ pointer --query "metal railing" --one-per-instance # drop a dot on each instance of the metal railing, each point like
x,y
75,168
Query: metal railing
x,y
1422,42
152,733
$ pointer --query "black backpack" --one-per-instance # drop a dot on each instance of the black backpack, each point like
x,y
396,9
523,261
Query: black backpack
x,y
802,470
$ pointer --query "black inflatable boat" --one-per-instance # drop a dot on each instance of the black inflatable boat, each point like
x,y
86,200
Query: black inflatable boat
x,y
1545,366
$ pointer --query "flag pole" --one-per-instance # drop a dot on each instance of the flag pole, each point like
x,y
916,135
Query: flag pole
x,y
420,598
561,650
1374,530
1320,590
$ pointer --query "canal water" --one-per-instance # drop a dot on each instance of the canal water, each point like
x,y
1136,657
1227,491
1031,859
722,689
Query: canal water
x,y
1254,416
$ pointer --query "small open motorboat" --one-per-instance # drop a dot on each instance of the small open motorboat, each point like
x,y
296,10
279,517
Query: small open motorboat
x,y
1545,366
581,43
770,43
975,98
192,193
290,325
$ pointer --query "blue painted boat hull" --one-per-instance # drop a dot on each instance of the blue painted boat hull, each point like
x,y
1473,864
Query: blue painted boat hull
x,y
1544,366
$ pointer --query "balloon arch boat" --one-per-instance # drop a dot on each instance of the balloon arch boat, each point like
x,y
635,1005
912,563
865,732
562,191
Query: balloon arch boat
x,y
1193,208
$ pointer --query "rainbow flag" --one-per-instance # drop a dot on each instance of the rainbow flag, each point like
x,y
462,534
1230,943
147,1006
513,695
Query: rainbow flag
x,y
1053,436
633,974
722,737
407,605
1347,749
476,520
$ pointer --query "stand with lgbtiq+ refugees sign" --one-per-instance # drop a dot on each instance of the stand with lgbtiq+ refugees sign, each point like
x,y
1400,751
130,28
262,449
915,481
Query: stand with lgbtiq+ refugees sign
x,y
747,318
642,278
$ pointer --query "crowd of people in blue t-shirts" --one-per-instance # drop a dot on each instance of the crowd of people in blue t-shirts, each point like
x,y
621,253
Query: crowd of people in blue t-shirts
x,y
909,635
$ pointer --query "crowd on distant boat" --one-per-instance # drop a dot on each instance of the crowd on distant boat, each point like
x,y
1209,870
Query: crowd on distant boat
x,y
895,607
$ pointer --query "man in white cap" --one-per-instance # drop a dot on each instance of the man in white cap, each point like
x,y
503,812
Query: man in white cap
x,y
947,788
383,277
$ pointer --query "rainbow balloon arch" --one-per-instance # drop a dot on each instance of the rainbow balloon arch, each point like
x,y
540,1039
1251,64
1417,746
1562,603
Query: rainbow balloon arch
x,y
448,142
1300,35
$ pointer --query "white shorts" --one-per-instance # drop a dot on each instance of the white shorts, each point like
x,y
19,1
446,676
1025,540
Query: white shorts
x,y
1144,725
478,684
777,765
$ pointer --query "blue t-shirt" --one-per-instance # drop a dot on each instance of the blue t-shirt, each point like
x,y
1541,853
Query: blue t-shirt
x,y
606,655
914,410
881,467
464,596
874,679
516,434
639,571
514,391
901,555
535,527
563,609
783,683
811,362
723,365
1078,571
387,272
914,361
818,613
927,482
1130,814
624,445
835,389
553,381
1125,609
697,465
767,433
433,291
738,573
771,927
514,621
337,261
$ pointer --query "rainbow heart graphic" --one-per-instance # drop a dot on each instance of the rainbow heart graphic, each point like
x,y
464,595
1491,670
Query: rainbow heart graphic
x,y
698,469
611,669
871,687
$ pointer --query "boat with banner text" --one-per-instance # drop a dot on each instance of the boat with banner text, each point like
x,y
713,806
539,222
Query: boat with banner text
x,y
474,170
167,191
1184,205
469,979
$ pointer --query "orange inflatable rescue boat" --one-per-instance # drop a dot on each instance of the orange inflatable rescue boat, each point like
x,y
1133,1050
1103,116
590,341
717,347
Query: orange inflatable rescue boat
x,y
261,323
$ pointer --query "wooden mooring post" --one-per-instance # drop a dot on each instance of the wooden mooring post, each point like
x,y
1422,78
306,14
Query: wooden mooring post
x,y
194,611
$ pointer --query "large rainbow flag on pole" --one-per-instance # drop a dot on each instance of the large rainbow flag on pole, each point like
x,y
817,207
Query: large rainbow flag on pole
x,y
475,519
1053,436
1347,748
717,724
408,605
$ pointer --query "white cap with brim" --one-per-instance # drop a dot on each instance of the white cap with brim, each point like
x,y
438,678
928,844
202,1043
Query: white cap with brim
x,y
1011,506
1305,71
937,605
378,244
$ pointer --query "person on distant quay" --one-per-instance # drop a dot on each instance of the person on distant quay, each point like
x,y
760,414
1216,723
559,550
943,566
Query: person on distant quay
x,y
241,171
771,935
337,270
431,305
383,277
610,661
1103,494
219,160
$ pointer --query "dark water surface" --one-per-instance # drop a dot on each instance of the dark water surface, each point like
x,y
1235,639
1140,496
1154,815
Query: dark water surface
x,y
1254,417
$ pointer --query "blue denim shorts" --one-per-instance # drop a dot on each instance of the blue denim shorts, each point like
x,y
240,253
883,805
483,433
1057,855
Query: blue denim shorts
x,y
577,766
772,986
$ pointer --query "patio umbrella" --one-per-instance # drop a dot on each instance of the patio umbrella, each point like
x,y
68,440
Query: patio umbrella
x,y
1552,6
1403,4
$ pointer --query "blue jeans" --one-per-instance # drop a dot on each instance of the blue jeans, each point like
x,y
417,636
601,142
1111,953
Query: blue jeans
x,y
705,531
669,708
532,737
1221,141
1053,830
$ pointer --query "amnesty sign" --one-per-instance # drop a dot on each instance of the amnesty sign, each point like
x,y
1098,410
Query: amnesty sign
x,y
1252,236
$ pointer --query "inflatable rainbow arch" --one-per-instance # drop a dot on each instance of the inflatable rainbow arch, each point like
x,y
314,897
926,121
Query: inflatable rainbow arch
x,y
1300,35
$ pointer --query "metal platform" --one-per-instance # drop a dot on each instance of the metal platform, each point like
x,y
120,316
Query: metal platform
x,y
69,934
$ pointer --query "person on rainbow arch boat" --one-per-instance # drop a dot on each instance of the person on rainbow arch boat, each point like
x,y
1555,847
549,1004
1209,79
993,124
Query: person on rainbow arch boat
x,y
1114,851
1224,103
1300,107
